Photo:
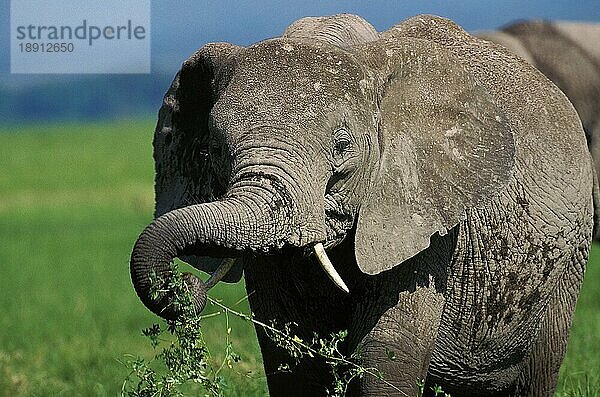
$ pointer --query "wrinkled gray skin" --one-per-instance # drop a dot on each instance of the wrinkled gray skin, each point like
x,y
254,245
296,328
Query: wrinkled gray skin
x,y
449,181
568,53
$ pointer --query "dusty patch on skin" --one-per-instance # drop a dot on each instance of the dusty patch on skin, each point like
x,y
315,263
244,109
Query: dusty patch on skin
x,y
455,130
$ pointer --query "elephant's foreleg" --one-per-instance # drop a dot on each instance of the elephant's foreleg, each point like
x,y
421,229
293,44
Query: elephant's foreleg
x,y
296,293
401,343
309,377
395,326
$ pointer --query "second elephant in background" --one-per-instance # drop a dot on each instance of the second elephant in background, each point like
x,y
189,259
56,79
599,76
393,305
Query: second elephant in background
x,y
568,53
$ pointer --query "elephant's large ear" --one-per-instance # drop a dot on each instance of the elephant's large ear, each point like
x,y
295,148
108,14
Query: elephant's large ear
x,y
444,147
184,160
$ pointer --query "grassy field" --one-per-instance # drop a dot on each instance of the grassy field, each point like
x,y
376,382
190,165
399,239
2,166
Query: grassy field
x,y
73,199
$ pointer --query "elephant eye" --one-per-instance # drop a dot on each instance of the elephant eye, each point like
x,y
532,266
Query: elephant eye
x,y
341,146
342,143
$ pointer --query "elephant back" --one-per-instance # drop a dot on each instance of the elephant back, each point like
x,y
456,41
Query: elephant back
x,y
344,30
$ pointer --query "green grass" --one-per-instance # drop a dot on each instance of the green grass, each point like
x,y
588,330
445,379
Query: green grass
x,y
73,199
580,372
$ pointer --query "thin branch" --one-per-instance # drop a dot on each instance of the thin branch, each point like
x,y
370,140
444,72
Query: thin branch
x,y
245,297
302,344
205,316
228,345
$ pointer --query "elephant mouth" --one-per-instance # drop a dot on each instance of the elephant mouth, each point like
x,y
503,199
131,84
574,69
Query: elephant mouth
x,y
338,221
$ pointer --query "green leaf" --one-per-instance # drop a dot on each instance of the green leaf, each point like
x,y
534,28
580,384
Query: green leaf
x,y
297,339
391,355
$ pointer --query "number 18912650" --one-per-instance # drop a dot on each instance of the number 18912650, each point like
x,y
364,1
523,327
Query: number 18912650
x,y
46,47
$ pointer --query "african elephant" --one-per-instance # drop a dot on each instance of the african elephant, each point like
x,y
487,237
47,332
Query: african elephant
x,y
441,180
568,53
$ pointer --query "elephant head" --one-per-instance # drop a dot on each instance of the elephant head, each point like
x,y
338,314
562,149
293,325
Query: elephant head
x,y
293,142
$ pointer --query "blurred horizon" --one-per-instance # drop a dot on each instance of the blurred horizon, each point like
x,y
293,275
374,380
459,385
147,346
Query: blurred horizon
x,y
178,29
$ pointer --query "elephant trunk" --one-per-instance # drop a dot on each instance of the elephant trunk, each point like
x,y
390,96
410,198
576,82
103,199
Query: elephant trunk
x,y
257,219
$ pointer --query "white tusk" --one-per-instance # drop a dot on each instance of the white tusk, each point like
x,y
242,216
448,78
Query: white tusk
x,y
219,273
328,267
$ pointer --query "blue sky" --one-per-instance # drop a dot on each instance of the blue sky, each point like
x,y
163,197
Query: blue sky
x,y
178,28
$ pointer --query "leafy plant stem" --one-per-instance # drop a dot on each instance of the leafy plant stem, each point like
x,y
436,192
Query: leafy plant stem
x,y
305,346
